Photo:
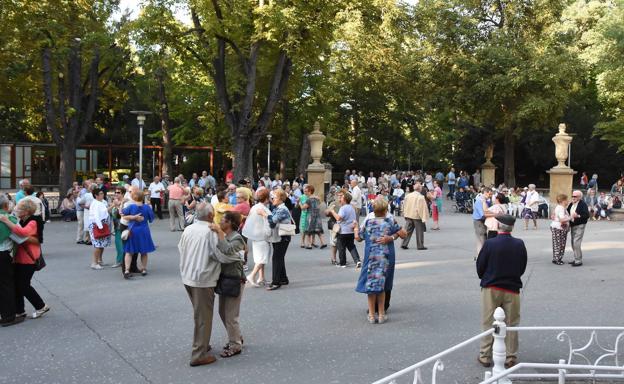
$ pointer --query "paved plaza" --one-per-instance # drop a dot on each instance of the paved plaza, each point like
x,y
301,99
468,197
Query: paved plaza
x,y
102,329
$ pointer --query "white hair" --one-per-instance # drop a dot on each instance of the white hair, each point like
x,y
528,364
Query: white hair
x,y
203,211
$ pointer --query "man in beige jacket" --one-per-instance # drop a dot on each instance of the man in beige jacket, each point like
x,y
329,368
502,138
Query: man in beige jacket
x,y
416,215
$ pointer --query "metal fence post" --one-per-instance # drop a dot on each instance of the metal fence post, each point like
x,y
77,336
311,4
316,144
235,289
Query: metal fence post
x,y
562,373
499,350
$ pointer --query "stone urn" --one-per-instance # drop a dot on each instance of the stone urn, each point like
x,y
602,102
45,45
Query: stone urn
x,y
316,146
562,142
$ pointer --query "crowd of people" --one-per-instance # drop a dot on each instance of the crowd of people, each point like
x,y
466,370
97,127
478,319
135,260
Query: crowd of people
x,y
222,223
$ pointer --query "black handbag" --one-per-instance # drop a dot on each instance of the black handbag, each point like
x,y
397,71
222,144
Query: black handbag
x,y
229,286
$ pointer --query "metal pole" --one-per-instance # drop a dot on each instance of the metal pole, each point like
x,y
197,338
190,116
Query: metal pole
x,y
269,157
140,154
569,155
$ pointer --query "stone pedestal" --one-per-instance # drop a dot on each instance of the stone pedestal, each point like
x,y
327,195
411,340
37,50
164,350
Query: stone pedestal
x,y
488,174
316,178
316,170
561,180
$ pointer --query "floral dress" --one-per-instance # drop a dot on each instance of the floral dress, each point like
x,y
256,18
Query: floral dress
x,y
315,221
377,268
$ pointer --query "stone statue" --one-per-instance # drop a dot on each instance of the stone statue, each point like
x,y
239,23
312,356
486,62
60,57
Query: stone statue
x,y
562,141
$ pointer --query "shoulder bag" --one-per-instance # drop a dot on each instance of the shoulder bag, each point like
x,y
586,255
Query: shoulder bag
x,y
39,263
101,233
288,229
228,286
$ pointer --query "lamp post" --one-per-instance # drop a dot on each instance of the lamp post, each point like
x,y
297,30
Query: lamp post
x,y
141,121
269,155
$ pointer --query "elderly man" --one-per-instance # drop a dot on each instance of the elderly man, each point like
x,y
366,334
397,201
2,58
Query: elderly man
x,y
25,183
500,266
138,181
176,194
356,198
416,215
579,214
479,214
7,281
156,190
200,266
531,207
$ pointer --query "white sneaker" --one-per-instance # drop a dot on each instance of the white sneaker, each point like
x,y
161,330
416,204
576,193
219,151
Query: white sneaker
x,y
40,312
96,266
250,281
116,265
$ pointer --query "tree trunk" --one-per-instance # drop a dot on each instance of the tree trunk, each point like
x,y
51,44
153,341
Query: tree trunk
x,y
285,137
165,122
243,153
67,167
304,155
510,158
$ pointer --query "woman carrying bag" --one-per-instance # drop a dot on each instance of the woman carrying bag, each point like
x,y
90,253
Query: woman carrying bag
x,y
99,227
280,217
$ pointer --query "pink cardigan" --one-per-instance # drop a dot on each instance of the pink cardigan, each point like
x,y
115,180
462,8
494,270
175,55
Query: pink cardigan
x,y
22,256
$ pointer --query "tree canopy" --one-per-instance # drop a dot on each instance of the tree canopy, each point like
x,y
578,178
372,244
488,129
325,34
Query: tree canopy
x,y
394,84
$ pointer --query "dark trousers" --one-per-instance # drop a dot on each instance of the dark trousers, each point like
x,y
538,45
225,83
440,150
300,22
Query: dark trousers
x,y
279,264
155,202
23,275
451,193
7,286
419,227
346,241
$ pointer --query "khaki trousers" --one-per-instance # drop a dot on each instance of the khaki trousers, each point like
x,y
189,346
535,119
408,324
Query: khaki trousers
x,y
203,302
229,310
510,302
80,235
175,211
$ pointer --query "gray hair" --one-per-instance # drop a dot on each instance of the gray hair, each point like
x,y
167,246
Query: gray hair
x,y
578,191
4,200
203,211
504,227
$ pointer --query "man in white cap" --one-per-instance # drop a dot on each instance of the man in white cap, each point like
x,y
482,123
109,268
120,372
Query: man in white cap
x,y
500,266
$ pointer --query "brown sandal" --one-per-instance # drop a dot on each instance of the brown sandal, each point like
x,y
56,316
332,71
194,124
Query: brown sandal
x,y
229,352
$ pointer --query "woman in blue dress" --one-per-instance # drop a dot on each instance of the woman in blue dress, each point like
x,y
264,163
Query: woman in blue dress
x,y
140,238
377,273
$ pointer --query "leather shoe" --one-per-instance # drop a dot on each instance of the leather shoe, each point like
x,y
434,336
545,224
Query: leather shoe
x,y
487,363
422,248
571,262
403,247
205,361
273,287
577,264
16,320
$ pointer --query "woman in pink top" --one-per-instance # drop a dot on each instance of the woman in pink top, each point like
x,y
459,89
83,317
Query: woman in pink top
x,y
25,258
436,207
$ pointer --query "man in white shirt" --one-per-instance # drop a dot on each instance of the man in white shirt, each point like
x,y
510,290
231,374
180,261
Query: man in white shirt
x,y
138,181
531,204
356,198
200,266
156,189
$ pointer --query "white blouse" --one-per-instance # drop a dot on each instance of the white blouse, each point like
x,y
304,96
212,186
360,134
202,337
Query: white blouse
x,y
560,214
98,212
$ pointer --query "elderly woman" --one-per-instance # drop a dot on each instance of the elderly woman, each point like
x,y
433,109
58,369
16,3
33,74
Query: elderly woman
x,y
26,256
256,232
314,226
68,207
559,227
140,239
376,277
280,215
99,217
303,217
231,243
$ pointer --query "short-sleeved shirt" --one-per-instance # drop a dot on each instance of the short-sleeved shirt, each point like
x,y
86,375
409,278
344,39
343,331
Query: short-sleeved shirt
x,y
477,213
155,189
347,213
451,178
175,192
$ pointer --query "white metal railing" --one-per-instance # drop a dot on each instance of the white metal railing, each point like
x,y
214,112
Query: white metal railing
x,y
589,369
438,365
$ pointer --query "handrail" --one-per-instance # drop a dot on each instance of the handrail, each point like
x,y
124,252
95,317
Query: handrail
x,y
433,358
569,328
519,366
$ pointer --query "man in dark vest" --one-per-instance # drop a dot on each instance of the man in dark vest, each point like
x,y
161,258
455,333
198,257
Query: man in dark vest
x,y
579,213
500,265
